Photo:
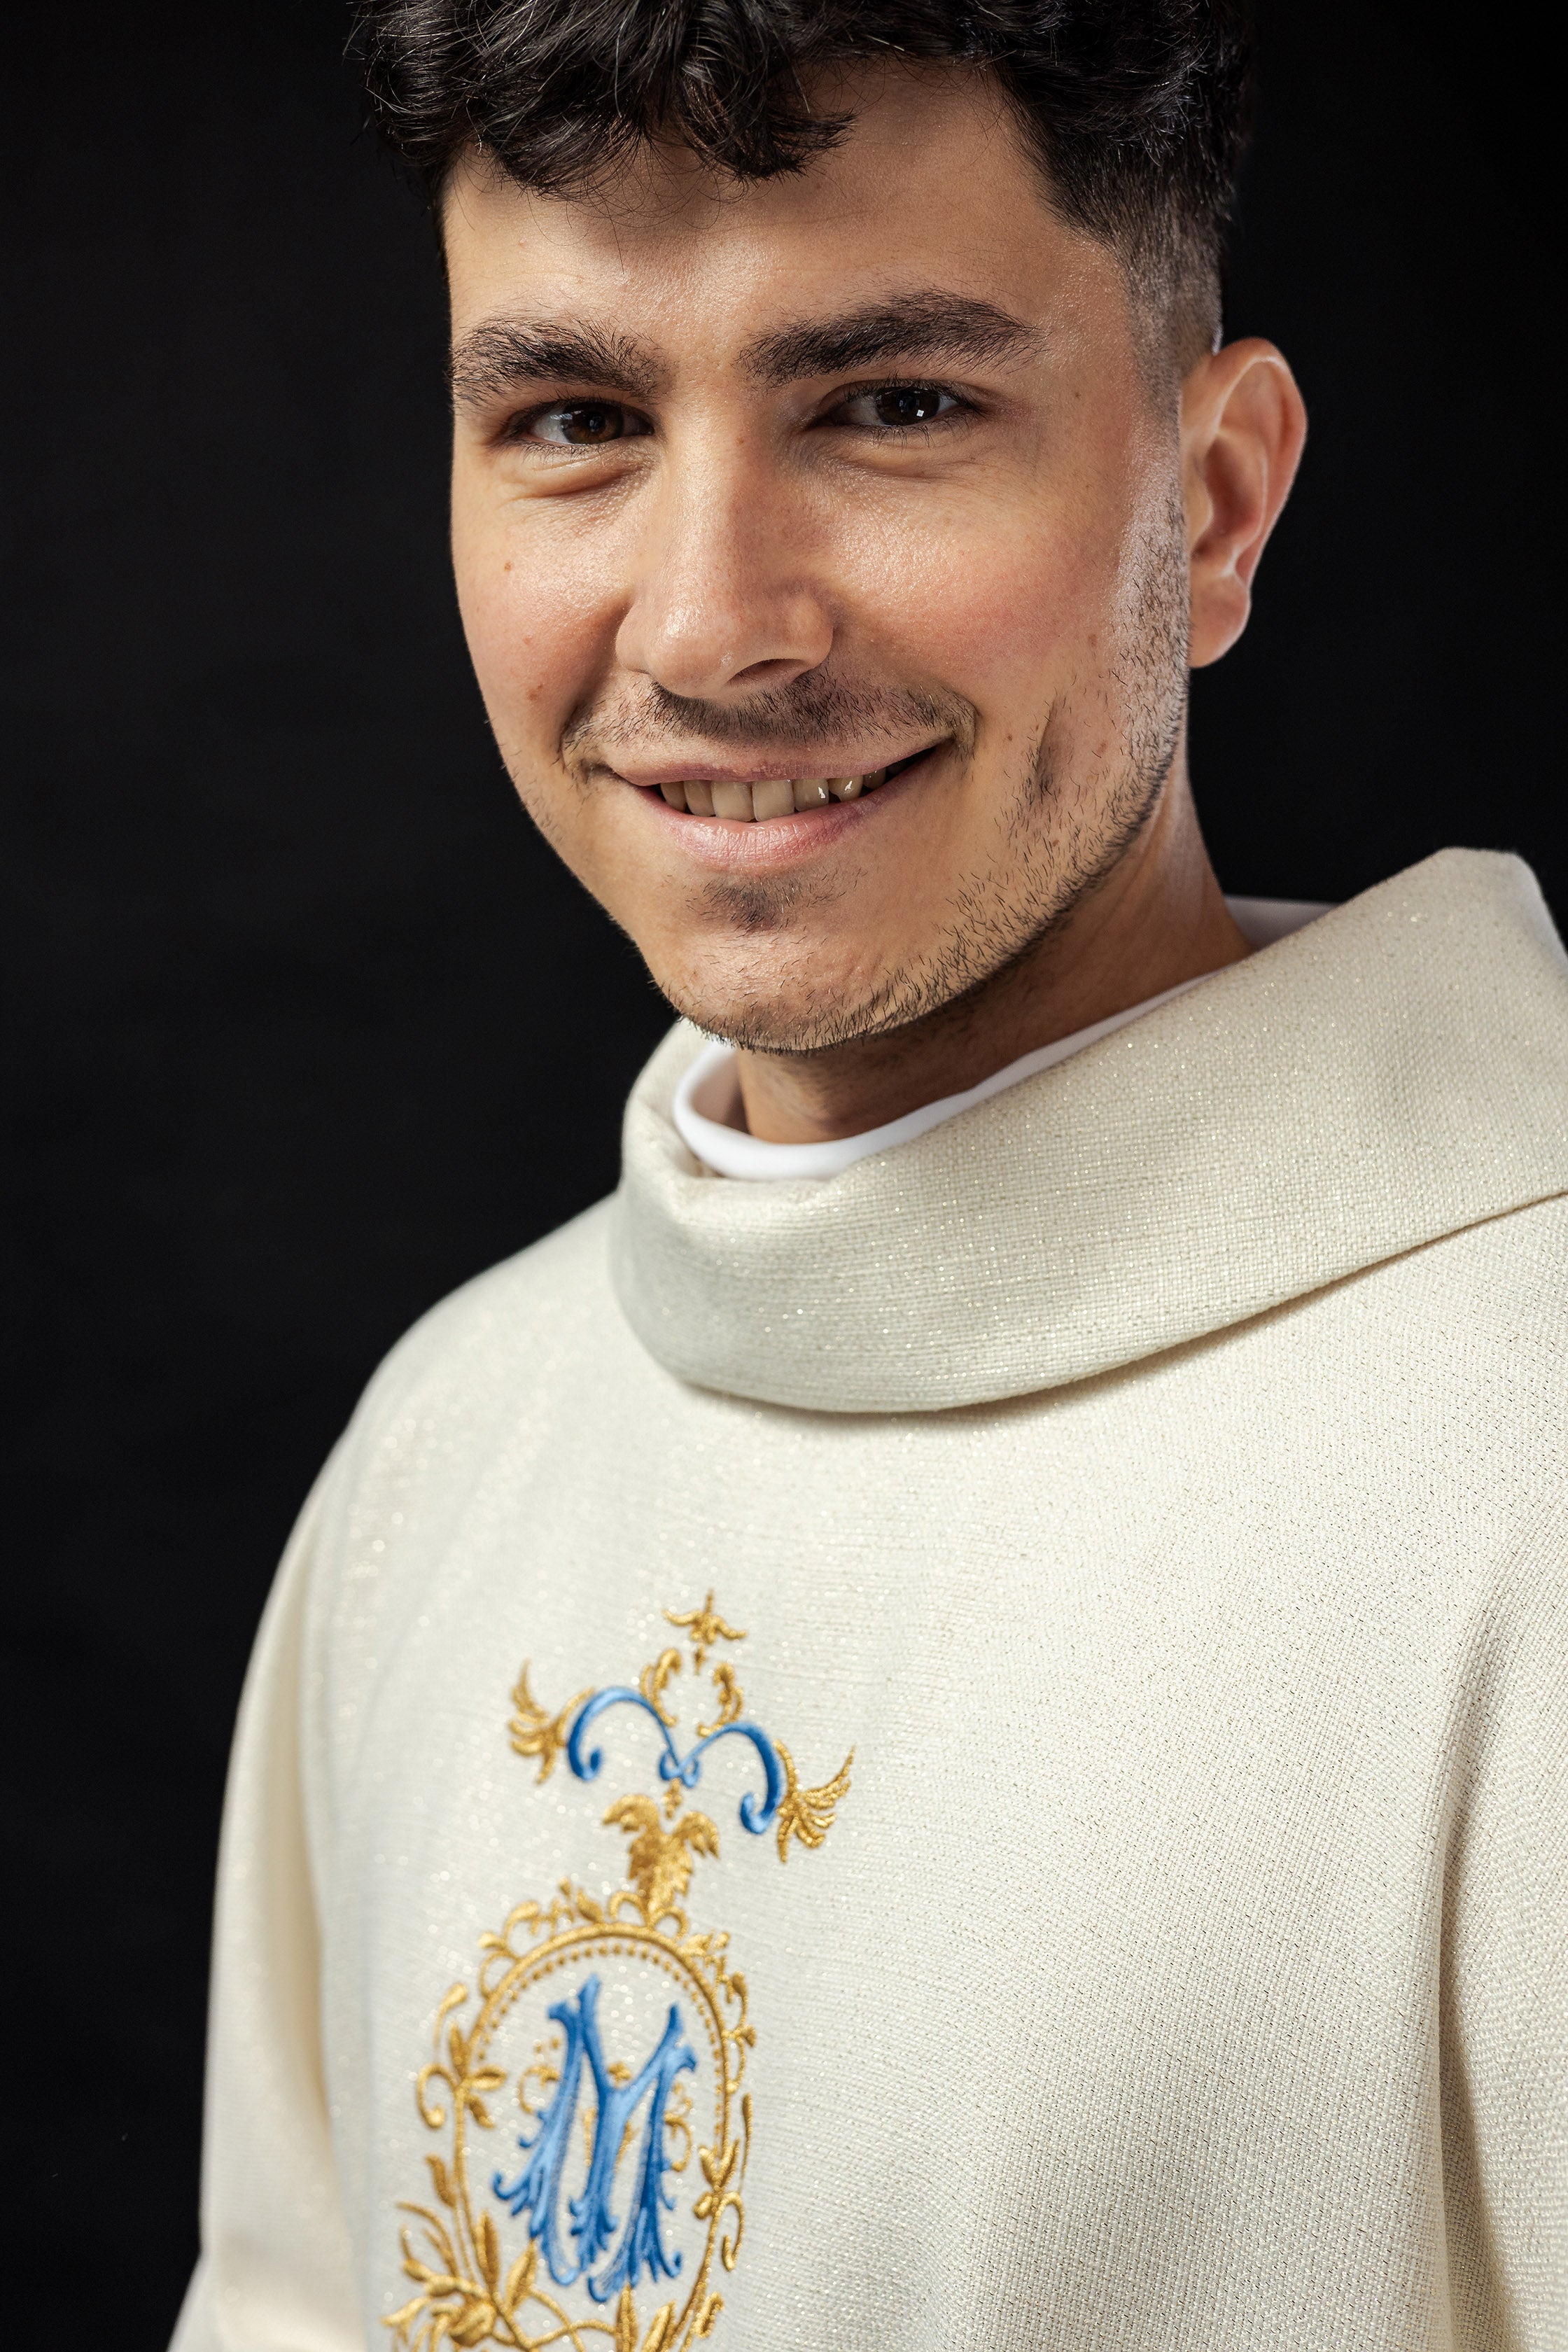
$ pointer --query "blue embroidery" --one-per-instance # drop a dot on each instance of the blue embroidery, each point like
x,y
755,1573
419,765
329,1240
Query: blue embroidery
x,y
672,1764
537,2190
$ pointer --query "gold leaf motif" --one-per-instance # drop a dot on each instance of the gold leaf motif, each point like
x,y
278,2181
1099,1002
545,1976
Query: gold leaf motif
x,y
662,2332
454,1998
807,1814
544,2074
490,2251
659,1862
535,1731
438,2175
705,1626
626,2323
434,2116
677,2124
519,2279
732,1699
652,1680
438,2238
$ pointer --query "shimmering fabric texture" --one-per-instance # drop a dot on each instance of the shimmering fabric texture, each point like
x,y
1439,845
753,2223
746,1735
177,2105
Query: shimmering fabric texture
x,y
1392,1072
1153,1487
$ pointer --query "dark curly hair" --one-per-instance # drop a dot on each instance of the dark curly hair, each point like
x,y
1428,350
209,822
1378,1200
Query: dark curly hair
x,y
1134,108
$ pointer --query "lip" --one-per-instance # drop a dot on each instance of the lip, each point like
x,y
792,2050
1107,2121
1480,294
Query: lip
x,y
733,844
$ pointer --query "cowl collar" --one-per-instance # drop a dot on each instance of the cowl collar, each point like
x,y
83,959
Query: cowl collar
x,y
1391,1073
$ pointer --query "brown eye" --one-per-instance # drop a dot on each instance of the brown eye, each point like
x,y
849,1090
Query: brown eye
x,y
911,405
587,424
899,407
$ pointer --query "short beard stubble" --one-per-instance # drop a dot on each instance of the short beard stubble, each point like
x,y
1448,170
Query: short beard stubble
x,y
1064,832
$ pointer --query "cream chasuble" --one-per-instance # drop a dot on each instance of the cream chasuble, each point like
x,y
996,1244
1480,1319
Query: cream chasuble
x,y
968,1757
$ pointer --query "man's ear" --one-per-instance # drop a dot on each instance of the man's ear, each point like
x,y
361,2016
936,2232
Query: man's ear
x,y
1243,425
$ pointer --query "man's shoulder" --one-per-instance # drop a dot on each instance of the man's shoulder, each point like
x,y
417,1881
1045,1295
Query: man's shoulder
x,y
1478,1318
1448,1367
1506,1276
505,1325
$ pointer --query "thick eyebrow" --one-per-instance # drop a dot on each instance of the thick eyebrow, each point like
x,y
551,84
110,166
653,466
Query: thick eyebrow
x,y
505,355
922,326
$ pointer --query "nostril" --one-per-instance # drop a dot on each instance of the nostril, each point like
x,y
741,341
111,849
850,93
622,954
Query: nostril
x,y
768,673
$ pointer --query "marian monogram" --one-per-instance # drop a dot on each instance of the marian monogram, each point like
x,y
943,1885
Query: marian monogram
x,y
620,2034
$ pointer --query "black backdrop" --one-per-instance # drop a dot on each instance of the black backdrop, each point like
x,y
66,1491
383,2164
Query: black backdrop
x,y
313,1027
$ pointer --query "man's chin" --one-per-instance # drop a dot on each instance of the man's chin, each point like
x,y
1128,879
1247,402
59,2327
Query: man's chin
x,y
787,1029
789,1018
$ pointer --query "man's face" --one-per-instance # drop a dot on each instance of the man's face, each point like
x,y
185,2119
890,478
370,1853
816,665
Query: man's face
x,y
852,471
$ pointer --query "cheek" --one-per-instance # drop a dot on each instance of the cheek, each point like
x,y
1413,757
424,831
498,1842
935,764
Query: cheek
x,y
531,620
1002,607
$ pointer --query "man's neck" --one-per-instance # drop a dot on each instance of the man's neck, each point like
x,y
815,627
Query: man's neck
x,y
1158,918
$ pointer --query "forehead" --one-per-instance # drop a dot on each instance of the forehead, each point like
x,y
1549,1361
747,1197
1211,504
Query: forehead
x,y
931,184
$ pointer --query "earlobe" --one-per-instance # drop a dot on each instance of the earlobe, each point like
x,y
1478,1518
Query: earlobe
x,y
1243,426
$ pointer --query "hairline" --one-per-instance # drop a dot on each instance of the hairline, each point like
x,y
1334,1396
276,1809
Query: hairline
x,y
1173,288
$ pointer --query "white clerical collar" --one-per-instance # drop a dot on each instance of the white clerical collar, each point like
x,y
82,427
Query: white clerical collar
x,y
708,1095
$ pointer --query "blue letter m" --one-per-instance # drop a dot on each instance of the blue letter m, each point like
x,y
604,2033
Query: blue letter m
x,y
536,2191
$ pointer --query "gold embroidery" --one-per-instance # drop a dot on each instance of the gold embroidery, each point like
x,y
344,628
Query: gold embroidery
x,y
705,1626
535,1733
651,1683
807,1814
541,2072
731,1700
460,2295
452,2250
659,1861
677,2122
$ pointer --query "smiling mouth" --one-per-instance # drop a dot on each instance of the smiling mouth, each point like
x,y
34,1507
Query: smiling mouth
x,y
779,795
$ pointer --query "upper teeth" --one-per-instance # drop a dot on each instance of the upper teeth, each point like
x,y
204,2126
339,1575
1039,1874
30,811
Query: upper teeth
x,y
778,797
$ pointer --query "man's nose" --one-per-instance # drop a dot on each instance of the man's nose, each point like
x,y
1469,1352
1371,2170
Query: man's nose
x,y
723,602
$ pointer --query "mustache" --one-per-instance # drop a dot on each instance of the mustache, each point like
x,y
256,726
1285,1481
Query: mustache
x,y
813,708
